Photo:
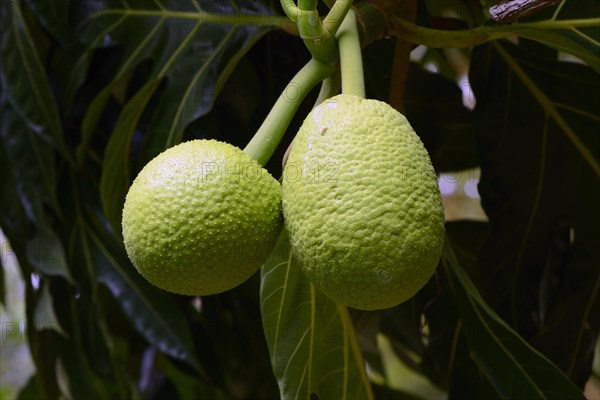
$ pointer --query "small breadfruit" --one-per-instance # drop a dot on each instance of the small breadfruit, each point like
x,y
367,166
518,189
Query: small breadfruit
x,y
201,218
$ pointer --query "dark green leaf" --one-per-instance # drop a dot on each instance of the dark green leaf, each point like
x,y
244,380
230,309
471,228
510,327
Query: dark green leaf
x,y
43,347
32,164
3,259
433,104
464,10
572,27
91,312
385,393
44,315
203,46
29,391
537,122
115,179
468,237
12,217
152,313
425,331
52,15
24,81
29,189
434,107
46,253
190,387
565,41
465,380
92,115
73,374
311,338
514,368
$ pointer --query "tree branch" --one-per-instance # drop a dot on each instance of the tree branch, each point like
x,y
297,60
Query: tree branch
x,y
513,10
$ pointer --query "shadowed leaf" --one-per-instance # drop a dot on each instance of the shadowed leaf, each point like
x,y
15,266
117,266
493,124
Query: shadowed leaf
x,y
538,127
24,83
513,367
153,314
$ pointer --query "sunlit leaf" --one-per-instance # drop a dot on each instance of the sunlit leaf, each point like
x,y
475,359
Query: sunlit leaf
x,y
311,338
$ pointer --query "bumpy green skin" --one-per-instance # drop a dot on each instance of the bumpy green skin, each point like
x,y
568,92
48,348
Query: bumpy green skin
x,y
201,218
361,204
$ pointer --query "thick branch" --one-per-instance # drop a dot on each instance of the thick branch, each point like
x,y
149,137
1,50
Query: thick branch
x,y
513,10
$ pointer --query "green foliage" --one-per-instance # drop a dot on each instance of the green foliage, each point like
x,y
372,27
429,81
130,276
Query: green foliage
x,y
310,337
91,90
512,367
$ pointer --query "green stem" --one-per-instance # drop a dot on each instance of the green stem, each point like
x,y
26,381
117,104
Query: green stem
x,y
310,25
308,4
290,9
267,138
353,81
471,37
329,88
437,38
318,39
333,20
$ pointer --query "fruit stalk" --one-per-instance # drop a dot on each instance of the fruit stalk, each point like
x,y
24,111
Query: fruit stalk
x,y
290,9
351,57
329,88
336,15
309,22
267,138
318,36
